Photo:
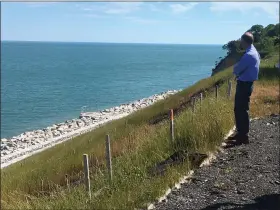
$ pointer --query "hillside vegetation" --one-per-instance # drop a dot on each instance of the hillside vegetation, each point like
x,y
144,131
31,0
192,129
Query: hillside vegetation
x,y
266,41
138,142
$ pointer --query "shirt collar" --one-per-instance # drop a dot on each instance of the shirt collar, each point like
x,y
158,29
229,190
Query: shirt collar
x,y
249,48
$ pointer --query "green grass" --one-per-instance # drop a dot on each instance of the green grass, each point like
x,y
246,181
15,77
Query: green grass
x,y
38,182
130,170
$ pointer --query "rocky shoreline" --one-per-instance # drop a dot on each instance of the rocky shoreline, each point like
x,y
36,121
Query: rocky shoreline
x,y
31,142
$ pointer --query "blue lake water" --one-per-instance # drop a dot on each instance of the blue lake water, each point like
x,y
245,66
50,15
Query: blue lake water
x,y
43,83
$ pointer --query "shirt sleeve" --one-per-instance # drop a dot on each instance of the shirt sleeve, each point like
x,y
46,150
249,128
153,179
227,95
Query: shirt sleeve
x,y
241,65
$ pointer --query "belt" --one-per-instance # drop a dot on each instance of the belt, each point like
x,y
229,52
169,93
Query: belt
x,y
245,82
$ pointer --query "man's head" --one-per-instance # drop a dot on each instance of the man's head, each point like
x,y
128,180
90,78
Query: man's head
x,y
246,40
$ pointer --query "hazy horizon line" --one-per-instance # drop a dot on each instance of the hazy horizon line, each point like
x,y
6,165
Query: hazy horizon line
x,y
107,42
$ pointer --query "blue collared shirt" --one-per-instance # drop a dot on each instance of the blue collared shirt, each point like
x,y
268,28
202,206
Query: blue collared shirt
x,y
247,69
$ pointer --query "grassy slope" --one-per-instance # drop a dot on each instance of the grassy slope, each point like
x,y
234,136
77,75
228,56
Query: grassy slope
x,y
38,181
226,62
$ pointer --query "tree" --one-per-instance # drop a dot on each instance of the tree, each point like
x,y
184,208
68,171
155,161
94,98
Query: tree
x,y
277,41
266,44
257,31
232,46
269,30
277,29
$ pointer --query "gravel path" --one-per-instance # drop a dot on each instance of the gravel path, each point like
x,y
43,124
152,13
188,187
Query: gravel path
x,y
242,177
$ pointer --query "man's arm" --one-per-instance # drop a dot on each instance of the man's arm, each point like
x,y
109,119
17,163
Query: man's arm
x,y
241,66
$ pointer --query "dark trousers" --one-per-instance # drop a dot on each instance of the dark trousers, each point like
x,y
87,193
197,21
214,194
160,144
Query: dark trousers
x,y
241,106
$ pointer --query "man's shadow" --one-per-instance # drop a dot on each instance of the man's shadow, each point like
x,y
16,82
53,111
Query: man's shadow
x,y
265,202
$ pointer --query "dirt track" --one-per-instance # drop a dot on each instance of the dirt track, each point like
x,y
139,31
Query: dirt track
x,y
242,177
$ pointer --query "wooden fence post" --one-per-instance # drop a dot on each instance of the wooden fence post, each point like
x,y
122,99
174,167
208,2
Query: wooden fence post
x,y
193,108
108,157
86,171
229,88
172,125
193,104
42,185
67,182
201,97
217,91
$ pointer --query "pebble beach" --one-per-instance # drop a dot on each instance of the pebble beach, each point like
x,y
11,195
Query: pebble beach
x,y
31,142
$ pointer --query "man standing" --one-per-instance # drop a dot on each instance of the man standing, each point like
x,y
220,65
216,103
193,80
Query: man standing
x,y
246,71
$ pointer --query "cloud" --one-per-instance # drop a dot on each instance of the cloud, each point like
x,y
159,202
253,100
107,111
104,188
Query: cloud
x,y
181,8
230,22
154,8
122,7
256,14
114,8
87,9
95,16
125,8
142,20
271,8
91,7
39,4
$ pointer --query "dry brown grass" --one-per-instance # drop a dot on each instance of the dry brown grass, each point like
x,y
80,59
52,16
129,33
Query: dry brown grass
x,y
265,99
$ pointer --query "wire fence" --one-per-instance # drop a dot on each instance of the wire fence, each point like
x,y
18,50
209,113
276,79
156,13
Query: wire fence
x,y
172,139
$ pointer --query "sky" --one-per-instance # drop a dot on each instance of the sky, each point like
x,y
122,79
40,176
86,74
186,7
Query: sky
x,y
134,22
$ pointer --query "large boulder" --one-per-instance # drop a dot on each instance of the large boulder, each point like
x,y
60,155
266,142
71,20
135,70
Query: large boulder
x,y
6,152
53,127
56,133
73,125
48,133
4,140
80,123
4,146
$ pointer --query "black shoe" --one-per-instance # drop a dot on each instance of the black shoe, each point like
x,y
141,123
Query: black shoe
x,y
239,139
234,136
244,139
